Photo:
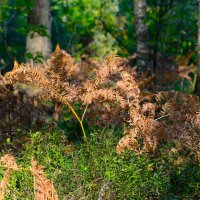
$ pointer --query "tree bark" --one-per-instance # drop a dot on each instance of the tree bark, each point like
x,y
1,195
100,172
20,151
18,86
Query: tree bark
x,y
197,89
40,15
142,34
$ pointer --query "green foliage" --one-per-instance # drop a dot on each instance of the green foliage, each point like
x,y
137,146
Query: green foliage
x,y
100,27
79,23
185,181
127,176
12,34
13,31
175,22
38,58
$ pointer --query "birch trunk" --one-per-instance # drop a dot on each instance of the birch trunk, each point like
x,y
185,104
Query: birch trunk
x,y
39,16
142,34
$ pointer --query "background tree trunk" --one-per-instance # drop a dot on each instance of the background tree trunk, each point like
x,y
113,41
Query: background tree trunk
x,y
142,34
40,15
197,89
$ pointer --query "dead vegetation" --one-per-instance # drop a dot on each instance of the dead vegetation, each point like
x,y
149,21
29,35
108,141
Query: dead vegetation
x,y
43,188
110,95
8,162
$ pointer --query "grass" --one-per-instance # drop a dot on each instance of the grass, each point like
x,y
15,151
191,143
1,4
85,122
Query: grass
x,y
124,176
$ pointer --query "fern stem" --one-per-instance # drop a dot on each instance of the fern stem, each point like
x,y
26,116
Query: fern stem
x,y
61,99
64,101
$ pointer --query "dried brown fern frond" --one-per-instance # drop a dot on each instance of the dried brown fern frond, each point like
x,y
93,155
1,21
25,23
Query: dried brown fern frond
x,y
35,84
129,142
52,79
8,162
170,117
4,183
21,109
185,71
62,63
44,189
85,69
112,95
111,92
144,131
182,121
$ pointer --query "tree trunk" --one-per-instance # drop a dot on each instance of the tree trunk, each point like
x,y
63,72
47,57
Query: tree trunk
x,y
39,16
142,34
197,89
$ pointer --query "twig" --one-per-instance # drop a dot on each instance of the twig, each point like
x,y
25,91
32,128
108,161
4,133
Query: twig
x,y
162,117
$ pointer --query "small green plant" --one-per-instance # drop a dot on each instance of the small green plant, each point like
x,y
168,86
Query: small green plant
x,y
125,176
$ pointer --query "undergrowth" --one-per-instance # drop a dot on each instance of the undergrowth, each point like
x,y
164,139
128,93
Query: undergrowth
x,y
136,146
125,176
109,94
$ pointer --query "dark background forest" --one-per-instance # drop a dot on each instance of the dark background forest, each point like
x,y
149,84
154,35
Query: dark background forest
x,y
96,28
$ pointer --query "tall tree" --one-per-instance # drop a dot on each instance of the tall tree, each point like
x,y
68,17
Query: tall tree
x,y
39,20
142,34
